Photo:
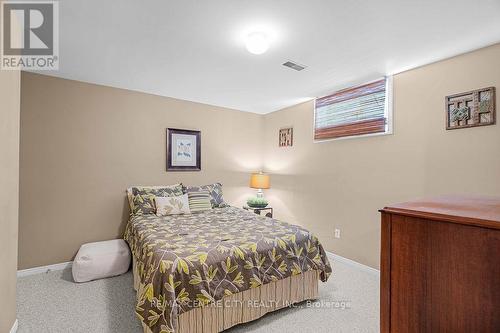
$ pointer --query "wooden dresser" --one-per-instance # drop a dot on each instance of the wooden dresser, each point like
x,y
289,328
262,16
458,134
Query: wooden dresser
x,y
440,266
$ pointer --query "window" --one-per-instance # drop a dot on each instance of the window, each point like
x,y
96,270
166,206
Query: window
x,y
360,110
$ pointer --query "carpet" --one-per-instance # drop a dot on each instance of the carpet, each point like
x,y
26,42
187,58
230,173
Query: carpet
x,y
53,303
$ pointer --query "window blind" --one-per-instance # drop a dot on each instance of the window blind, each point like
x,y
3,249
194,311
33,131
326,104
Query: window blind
x,y
353,111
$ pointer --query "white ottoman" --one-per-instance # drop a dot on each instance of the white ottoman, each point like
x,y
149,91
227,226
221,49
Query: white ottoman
x,y
101,260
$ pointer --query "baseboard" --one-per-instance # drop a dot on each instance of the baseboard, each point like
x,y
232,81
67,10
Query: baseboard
x,y
14,327
44,269
354,263
64,265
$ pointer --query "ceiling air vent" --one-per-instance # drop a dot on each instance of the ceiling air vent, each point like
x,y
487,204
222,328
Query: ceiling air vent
x,y
294,65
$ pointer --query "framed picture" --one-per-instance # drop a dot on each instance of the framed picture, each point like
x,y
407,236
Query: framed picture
x,y
183,150
286,137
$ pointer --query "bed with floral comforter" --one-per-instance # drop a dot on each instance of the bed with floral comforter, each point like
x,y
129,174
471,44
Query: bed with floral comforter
x,y
186,261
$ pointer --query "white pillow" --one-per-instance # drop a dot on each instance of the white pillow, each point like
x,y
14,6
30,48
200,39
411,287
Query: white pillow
x,y
172,205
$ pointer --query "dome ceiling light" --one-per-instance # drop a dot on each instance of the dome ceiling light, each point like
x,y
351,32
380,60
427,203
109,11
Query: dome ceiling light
x,y
257,42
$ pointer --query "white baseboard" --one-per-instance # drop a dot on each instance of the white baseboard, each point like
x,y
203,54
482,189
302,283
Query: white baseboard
x,y
44,269
64,265
354,263
14,327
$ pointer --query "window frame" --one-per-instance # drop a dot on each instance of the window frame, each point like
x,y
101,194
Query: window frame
x,y
388,113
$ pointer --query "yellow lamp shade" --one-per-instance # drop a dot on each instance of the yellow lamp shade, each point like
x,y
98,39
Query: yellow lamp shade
x,y
260,181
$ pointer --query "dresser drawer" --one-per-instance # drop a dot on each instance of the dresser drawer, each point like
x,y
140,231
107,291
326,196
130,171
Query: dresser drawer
x,y
439,275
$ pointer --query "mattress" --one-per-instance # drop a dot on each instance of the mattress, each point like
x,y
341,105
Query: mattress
x,y
189,261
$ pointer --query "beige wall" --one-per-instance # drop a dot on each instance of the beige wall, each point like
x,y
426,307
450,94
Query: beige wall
x,y
342,184
82,145
9,194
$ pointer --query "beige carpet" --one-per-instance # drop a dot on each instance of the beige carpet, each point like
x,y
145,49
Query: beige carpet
x,y
52,303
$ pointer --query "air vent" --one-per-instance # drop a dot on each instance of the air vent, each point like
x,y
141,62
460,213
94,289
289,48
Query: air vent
x,y
294,65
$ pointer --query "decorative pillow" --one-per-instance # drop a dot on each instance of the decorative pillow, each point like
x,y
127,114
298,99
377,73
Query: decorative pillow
x,y
199,201
172,205
143,198
215,190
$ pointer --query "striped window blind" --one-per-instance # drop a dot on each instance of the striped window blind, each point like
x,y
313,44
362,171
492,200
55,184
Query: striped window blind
x,y
352,111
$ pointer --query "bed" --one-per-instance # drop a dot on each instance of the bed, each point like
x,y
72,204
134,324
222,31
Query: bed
x,y
208,271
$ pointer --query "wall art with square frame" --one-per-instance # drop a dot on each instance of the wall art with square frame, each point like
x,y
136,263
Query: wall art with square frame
x,y
183,150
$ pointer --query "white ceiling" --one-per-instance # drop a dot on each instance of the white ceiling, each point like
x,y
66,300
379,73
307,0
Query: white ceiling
x,y
194,50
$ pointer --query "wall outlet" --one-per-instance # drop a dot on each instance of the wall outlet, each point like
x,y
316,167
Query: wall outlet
x,y
337,233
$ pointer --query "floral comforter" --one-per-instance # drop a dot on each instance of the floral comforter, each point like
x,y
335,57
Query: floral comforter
x,y
186,261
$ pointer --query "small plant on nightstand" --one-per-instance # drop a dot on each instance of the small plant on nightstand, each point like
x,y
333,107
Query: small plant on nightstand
x,y
256,202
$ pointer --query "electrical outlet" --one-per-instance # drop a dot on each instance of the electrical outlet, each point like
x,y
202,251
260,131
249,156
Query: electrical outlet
x,y
337,233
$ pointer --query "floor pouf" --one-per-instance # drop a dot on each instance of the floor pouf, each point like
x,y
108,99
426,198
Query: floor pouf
x,y
101,260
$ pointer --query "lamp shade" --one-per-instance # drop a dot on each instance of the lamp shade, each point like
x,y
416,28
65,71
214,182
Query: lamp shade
x,y
260,181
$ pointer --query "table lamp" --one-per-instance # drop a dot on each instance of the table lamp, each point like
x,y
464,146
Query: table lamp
x,y
259,181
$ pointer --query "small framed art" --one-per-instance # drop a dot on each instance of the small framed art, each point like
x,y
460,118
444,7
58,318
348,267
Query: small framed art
x,y
183,150
471,109
286,137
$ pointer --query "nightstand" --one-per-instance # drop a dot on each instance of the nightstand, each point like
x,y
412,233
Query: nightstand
x,y
259,210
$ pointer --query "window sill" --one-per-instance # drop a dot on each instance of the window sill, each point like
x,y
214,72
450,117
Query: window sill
x,y
353,137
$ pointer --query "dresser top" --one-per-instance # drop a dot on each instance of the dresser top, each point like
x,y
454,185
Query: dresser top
x,y
472,210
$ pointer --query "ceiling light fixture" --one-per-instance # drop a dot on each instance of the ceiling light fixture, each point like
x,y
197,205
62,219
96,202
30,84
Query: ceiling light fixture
x,y
257,42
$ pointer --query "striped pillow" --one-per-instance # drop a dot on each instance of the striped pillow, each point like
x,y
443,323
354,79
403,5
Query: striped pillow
x,y
199,201
215,191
